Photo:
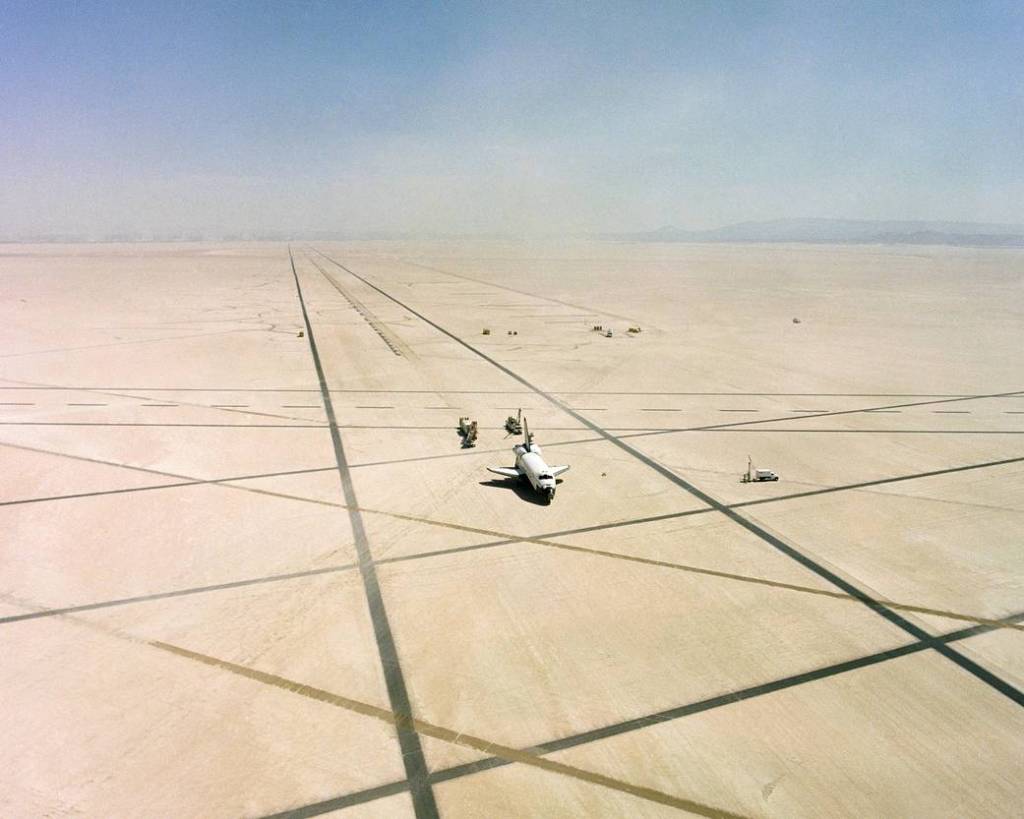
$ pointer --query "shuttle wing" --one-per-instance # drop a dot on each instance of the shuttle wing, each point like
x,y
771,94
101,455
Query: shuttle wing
x,y
558,470
505,471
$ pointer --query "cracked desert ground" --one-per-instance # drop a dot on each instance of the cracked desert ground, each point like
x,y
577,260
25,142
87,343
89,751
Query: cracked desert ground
x,y
246,569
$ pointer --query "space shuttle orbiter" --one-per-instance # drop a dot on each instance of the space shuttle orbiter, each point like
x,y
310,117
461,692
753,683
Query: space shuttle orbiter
x,y
530,465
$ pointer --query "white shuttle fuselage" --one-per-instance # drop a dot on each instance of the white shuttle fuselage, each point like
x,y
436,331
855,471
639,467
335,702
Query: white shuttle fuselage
x,y
530,466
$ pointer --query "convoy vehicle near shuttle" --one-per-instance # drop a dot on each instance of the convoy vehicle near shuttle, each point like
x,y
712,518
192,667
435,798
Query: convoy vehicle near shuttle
x,y
530,466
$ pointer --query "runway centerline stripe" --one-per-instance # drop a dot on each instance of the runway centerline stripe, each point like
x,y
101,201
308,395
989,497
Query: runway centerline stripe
x,y
790,551
398,696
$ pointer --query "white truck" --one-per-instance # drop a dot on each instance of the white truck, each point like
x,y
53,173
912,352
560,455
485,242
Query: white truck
x,y
753,474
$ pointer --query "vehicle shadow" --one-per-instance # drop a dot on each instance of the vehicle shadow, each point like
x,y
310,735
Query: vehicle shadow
x,y
522,489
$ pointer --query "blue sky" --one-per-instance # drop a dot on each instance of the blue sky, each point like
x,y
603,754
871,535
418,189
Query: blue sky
x,y
487,117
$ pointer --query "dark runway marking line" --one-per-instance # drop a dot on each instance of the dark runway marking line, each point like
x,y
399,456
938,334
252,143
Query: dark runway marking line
x,y
158,406
152,487
460,453
17,403
600,409
1014,412
145,598
347,800
582,308
951,412
127,424
739,410
372,406
227,406
122,343
172,389
398,697
737,424
508,540
300,406
883,410
147,400
494,544
954,396
809,410
787,549
452,426
85,404
730,698
542,539
491,544
775,394
740,578
639,723
840,431
340,802
408,724
881,481
663,409
391,341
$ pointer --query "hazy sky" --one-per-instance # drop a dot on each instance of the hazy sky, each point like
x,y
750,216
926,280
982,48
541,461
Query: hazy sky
x,y
487,116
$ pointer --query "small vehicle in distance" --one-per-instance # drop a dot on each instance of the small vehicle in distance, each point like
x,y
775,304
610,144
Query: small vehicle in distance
x,y
753,475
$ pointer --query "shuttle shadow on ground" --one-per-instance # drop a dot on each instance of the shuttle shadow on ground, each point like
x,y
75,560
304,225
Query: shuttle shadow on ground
x,y
521,488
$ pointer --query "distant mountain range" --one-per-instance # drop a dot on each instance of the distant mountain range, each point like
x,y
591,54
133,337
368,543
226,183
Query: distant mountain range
x,y
842,231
